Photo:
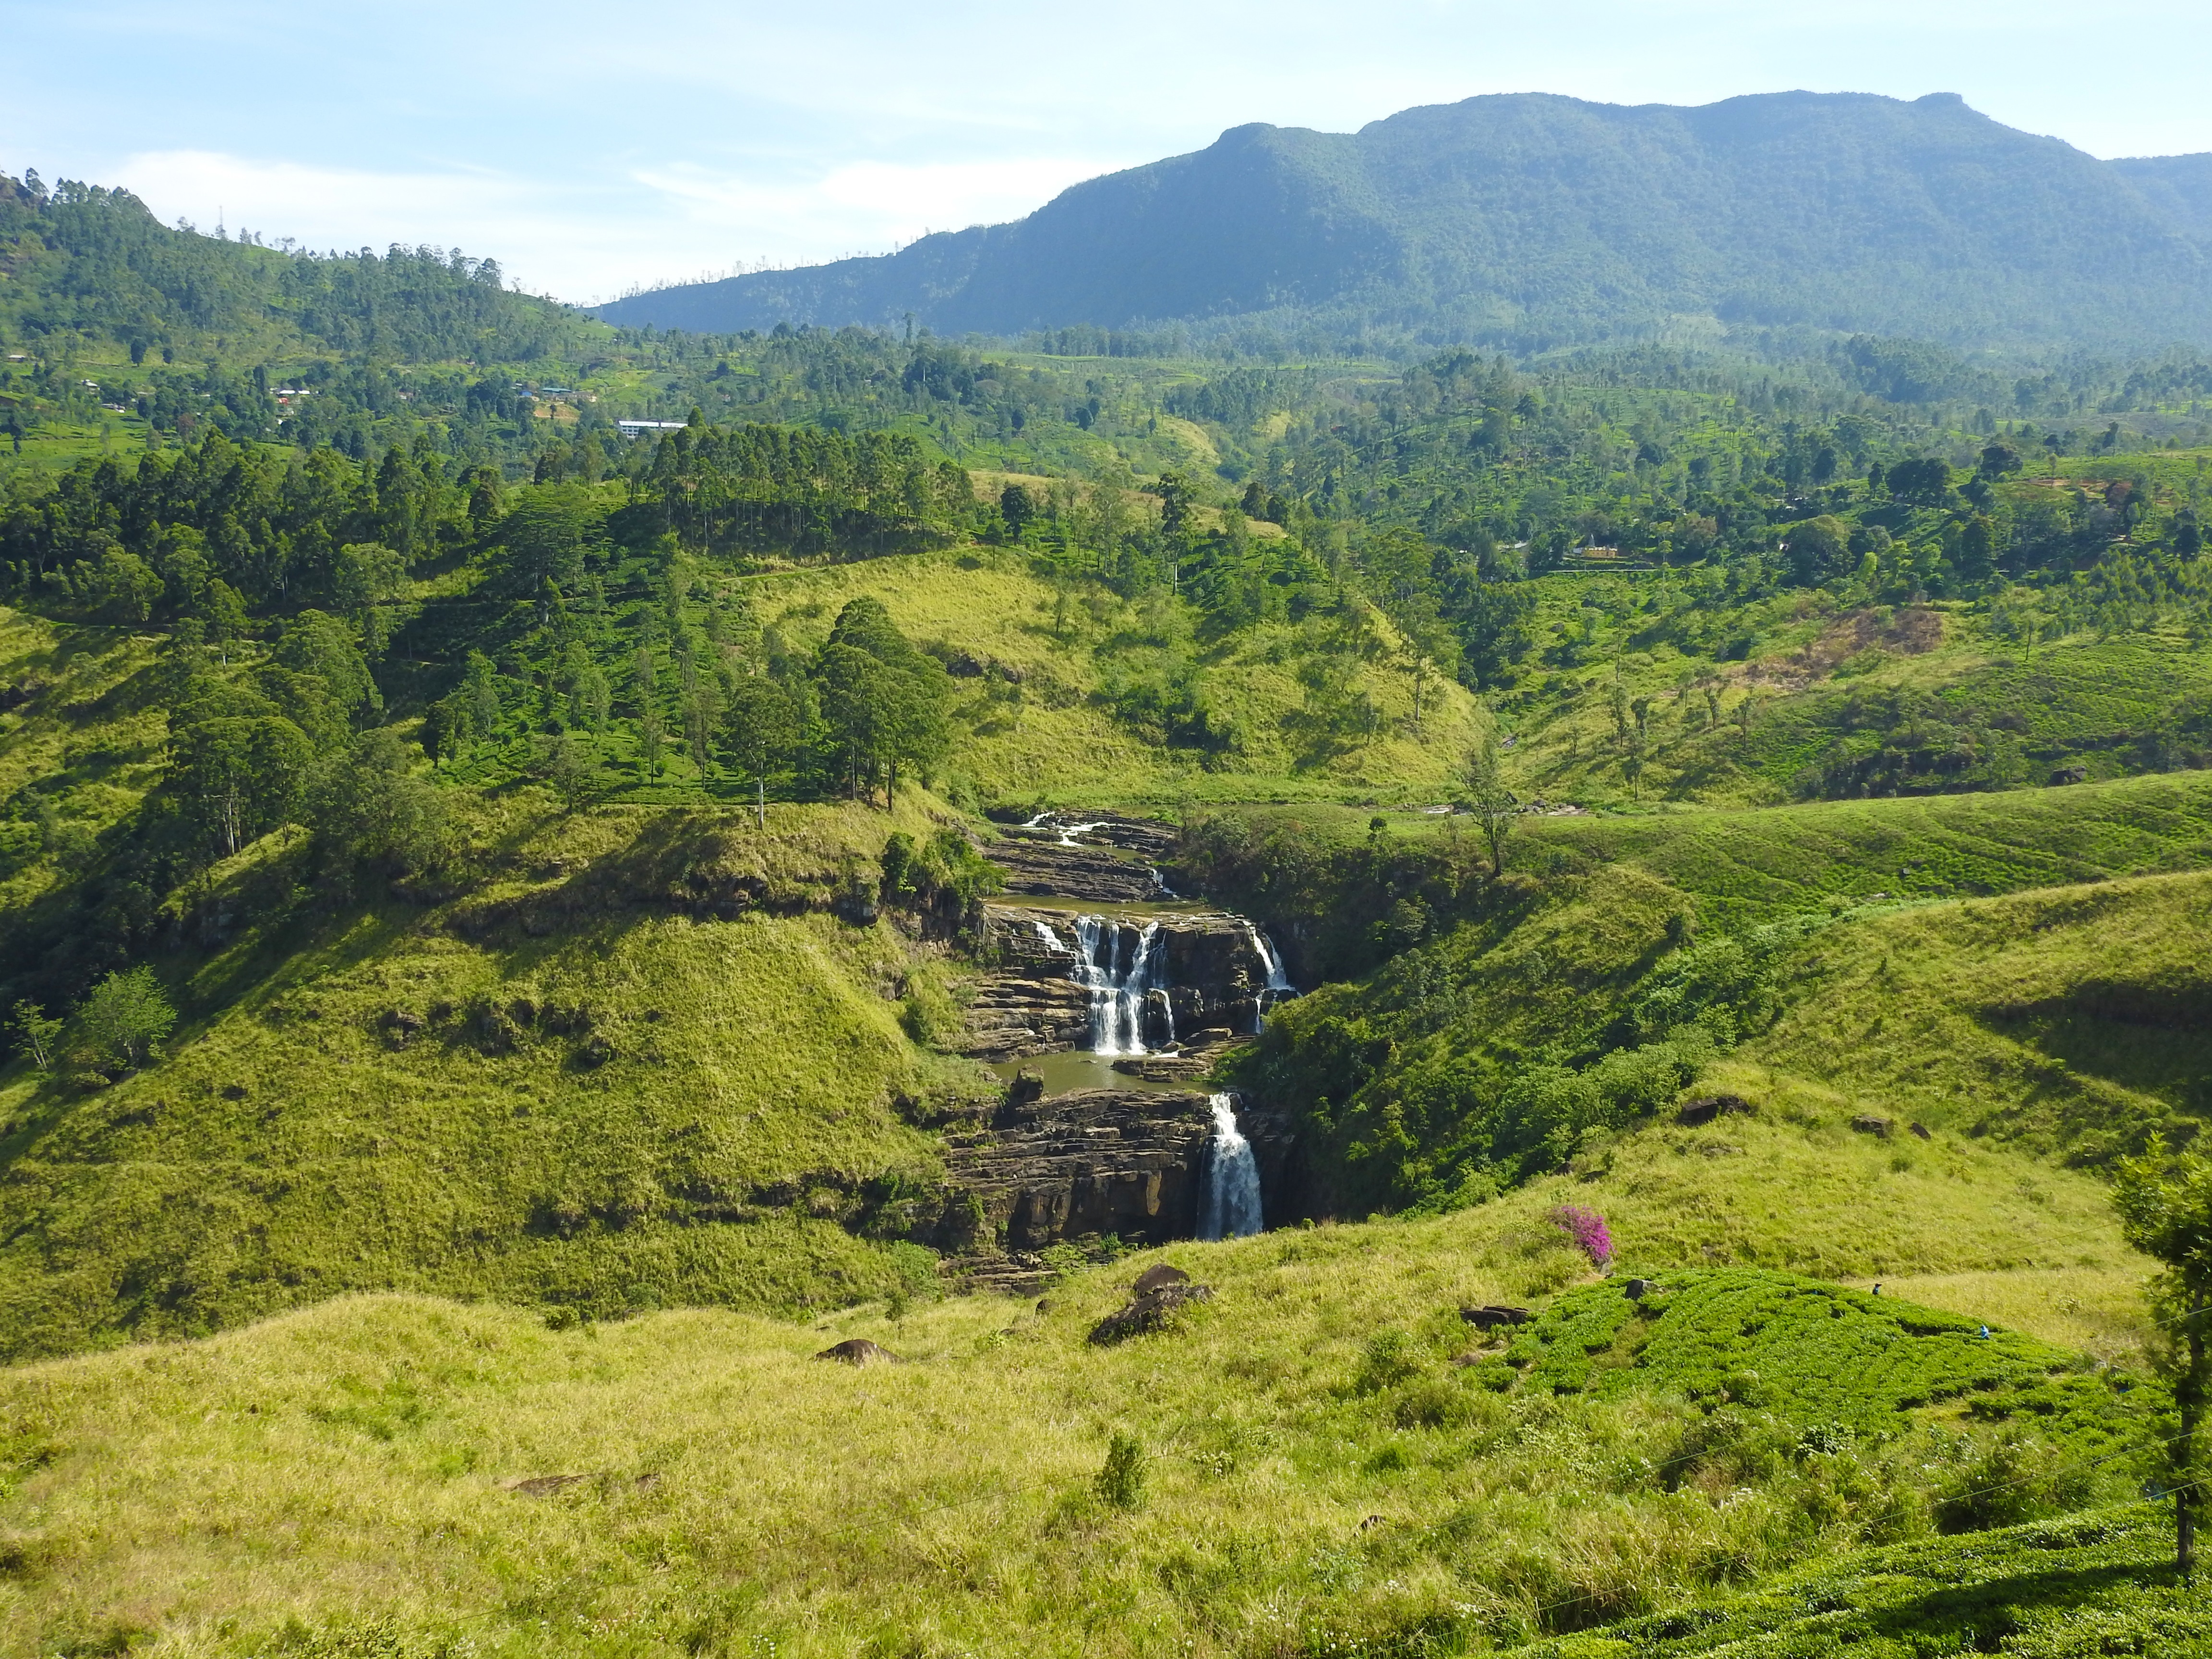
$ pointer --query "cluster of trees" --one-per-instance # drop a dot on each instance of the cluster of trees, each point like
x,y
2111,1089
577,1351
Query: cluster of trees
x,y
89,261
753,487
217,531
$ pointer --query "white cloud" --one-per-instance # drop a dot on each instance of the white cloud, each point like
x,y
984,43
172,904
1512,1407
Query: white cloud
x,y
588,239
863,207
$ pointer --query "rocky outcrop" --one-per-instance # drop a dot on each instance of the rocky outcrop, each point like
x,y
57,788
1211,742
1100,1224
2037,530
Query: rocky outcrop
x,y
1124,1162
859,1351
1047,869
1151,1307
1030,1002
1099,859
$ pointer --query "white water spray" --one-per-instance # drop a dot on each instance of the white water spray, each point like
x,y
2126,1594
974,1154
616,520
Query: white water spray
x,y
1044,932
1229,1203
1119,980
1277,985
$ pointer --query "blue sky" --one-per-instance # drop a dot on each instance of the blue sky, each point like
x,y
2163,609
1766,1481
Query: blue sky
x,y
592,147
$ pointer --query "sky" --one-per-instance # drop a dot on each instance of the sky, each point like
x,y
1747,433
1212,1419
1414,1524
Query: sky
x,y
592,150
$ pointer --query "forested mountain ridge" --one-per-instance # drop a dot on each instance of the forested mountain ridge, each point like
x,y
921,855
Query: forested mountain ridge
x,y
85,259
1530,220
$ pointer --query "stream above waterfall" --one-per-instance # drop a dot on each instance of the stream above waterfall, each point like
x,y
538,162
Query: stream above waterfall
x,y
1067,1069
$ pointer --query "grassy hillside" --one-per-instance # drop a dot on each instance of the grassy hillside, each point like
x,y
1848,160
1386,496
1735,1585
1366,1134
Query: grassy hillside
x,y
571,1085
1049,732
1315,1477
2073,1018
1568,1004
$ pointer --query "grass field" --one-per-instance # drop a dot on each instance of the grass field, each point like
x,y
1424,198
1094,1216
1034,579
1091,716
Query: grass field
x,y
1315,1477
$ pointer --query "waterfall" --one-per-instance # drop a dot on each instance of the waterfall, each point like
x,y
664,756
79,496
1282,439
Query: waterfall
x,y
1044,932
1229,1202
1119,988
1277,985
1068,832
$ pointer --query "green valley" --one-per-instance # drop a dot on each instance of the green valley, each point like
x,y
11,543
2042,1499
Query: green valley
x,y
1111,992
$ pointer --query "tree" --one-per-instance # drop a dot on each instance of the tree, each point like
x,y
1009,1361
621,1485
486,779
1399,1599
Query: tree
x,y
365,803
1176,501
240,776
645,687
1977,548
1490,802
2166,1211
1017,507
480,686
856,694
226,618
568,765
883,702
2187,540
765,727
123,1018
318,644
123,586
36,1032
1819,550
365,577
1927,481
546,535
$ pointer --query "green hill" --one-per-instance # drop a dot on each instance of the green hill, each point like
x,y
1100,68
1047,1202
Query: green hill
x,y
1536,220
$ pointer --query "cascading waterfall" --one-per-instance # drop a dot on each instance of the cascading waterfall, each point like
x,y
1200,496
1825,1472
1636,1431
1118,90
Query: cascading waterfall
x,y
1277,985
1229,1202
1120,981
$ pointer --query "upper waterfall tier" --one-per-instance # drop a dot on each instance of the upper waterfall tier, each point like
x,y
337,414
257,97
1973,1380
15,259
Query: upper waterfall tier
x,y
1205,975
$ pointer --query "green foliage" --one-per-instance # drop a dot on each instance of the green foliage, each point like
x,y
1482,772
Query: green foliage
x,y
95,260
1121,1480
124,1018
1810,1351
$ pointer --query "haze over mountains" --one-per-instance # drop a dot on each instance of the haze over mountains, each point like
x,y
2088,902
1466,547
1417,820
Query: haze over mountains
x,y
1532,221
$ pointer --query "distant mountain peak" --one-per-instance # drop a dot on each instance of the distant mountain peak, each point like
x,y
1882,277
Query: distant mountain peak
x,y
1534,219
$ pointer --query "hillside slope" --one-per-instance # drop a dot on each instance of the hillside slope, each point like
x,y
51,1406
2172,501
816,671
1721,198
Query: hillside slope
x,y
1312,1476
577,1084
1534,218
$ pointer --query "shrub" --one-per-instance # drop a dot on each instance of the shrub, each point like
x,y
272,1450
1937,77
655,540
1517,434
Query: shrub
x,y
1120,1482
1587,1228
2014,1478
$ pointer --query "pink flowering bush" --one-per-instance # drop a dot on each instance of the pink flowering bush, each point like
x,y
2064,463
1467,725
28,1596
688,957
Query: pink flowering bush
x,y
1587,1228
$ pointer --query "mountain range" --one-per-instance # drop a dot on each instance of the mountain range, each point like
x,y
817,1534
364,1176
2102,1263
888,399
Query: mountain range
x,y
1534,220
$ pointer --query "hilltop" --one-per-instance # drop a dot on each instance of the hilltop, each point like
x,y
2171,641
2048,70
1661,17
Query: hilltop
x,y
1531,220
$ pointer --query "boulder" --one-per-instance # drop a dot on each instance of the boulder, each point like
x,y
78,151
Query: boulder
x,y
1871,1123
1489,1317
859,1351
1920,1133
1158,1274
1149,1310
1704,1110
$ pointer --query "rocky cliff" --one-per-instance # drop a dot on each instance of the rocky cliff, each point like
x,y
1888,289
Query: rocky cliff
x,y
1075,1167
1030,1001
